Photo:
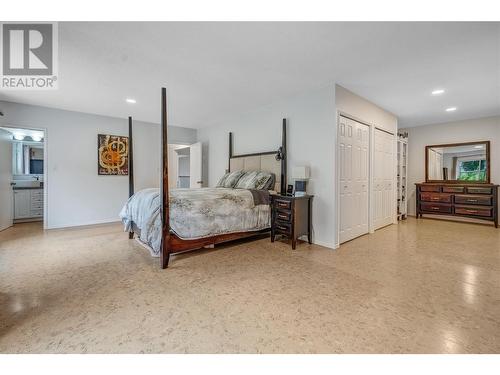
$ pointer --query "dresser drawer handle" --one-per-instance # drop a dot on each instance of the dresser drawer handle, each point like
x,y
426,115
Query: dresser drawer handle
x,y
281,216
283,204
472,211
472,200
281,228
435,208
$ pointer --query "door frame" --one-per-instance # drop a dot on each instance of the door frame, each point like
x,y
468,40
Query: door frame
x,y
371,153
394,176
45,167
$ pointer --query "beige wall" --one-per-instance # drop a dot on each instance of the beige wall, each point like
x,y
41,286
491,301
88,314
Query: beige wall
x,y
484,129
363,110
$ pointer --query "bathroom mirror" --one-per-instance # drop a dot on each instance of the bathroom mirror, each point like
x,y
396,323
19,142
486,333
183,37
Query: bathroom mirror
x,y
458,163
27,158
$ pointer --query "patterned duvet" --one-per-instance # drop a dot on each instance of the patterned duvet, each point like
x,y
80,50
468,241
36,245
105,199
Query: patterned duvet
x,y
195,213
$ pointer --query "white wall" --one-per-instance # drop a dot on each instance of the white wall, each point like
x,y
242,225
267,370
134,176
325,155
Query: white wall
x,y
311,139
77,195
484,129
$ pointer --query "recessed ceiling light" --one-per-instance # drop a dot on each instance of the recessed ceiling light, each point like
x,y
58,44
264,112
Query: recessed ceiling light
x,y
130,100
451,109
478,146
438,92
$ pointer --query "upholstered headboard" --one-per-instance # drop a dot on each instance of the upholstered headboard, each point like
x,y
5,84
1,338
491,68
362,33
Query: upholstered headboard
x,y
271,161
263,162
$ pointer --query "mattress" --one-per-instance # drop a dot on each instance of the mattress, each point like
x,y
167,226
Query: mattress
x,y
195,213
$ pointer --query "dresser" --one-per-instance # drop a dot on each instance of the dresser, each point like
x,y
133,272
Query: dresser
x,y
472,201
291,217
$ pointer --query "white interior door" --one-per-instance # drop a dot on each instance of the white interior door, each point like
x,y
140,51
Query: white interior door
x,y
6,196
173,166
383,179
354,161
195,166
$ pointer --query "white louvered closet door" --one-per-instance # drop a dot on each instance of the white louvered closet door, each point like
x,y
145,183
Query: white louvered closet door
x,y
383,179
354,160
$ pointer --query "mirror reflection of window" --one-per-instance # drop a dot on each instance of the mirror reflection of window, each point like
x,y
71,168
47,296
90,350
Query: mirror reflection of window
x,y
471,169
458,163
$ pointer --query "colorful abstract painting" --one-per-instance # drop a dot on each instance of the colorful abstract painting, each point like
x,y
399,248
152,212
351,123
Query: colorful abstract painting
x,y
112,154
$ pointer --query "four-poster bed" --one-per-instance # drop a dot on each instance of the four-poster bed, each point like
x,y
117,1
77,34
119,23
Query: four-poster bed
x,y
272,162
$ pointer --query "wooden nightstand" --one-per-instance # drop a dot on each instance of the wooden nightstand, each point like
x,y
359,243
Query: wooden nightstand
x,y
291,216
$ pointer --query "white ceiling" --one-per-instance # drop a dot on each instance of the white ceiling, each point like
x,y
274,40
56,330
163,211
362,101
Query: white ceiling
x,y
215,69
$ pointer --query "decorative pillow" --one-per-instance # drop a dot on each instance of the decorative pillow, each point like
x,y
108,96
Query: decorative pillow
x,y
256,180
230,179
222,180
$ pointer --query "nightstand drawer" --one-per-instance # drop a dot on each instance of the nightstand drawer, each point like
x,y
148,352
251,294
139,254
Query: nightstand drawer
x,y
283,203
282,227
283,216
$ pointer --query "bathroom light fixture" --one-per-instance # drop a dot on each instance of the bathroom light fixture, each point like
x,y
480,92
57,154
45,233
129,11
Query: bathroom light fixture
x,y
451,109
130,100
18,136
36,138
438,92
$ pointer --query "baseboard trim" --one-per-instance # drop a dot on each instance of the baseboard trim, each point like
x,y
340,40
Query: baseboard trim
x,y
85,225
325,244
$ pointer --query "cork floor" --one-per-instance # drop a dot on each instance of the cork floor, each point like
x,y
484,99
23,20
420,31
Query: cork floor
x,y
424,286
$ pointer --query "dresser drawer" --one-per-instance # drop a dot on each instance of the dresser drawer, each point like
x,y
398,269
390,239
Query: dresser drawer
x,y
431,188
283,203
474,211
285,216
474,199
435,197
36,213
36,205
37,198
479,190
453,189
432,207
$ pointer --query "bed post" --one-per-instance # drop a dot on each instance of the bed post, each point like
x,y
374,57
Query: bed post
x,y
230,151
130,167
164,203
284,159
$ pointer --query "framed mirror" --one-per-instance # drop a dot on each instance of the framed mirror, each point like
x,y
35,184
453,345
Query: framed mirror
x,y
458,163
27,158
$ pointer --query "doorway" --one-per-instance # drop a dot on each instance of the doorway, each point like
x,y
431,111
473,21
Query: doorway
x,y
23,170
185,166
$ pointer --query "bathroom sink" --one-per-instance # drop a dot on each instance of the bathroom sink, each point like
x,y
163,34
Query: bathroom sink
x,y
26,184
